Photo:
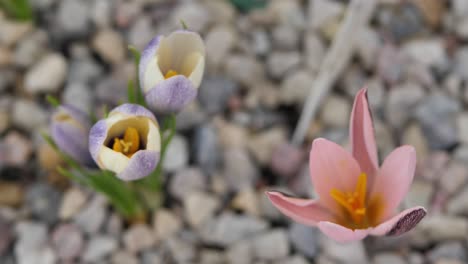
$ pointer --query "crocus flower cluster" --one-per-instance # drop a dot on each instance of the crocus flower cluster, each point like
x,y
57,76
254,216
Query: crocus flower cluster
x,y
356,197
128,141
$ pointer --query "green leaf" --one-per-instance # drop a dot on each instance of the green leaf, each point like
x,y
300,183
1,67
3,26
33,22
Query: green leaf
x,y
248,5
53,100
139,97
131,92
18,9
184,26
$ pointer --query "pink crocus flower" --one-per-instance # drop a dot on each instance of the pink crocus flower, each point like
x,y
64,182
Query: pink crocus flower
x,y
356,197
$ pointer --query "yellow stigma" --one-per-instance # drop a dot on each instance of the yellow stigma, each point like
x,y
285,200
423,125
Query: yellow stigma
x,y
170,73
129,144
353,202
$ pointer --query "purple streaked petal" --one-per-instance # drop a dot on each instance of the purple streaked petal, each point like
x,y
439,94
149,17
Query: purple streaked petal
x,y
171,95
148,53
401,223
133,110
97,136
141,164
71,140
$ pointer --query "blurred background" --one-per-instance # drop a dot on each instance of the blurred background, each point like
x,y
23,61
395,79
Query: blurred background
x,y
232,143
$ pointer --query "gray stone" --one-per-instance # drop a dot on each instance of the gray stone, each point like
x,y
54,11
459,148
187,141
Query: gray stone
x,y
7,79
454,177
209,256
401,102
110,46
138,238
429,52
314,49
436,228
114,225
124,257
31,245
102,13
78,95
335,111
461,153
193,14
285,37
43,201
287,159
280,63
263,144
403,22
462,126
384,258
296,259
199,207
367,46
271,245
205,147
92,216
461,63
166,224
228,228
28,114
7,235
84,70
47,75
141,30
261,42
30,49
16,149
239,170
414,136
437,116
448,251
73,18
67,242
11,32
99,247
457,205
215,92
353,252
391,64
296,87
240,253
244,69
420,194
304,239
219,41
186,181
182,251
151,257
322,12
177,154
73,200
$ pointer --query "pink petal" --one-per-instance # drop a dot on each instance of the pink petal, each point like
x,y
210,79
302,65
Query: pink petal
x,y
394,179
362,137
342,234
332,167
401,223
304,211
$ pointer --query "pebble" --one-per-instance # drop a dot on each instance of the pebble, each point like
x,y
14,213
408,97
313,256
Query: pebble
x,y
7,235
123,257
31,49
209,256
102,13
287,159
448,251
437,228
391,64
295,88
402,100
199,207
114,225
420,194
433,165
31,245
138,238
239,170
110,46
453,177
74,18
205,148
335,111
15,149
262,144
78,95
6,57
48,75
194,14
271,245
304,239
151,257
141,30
67,242
285,37
166,224
83,71
462,126
244,69
231,135
27,114
461,63
43,201
353,252
428,52
215,92
247,201
457,205
219,41
323,12
99,246
182,251
437,116
384,258
403,22
187,181
240,253
295,259
92,216
11,32
413,135
177,154
261,43
368,45
281,63
228,228
73,200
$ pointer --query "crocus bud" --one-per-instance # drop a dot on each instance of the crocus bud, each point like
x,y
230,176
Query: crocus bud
x,y
171,70
69,129
127,142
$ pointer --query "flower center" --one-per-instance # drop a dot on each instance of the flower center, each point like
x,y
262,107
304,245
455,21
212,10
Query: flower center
x,y
170,73
353,202
129,143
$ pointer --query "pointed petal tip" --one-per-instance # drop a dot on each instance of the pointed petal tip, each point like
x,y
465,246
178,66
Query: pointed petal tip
x,y
407,222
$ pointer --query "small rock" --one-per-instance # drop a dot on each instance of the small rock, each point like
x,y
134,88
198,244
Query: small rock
x,y
285,37
31,49
461,153
31,245
6,57
296,259
304,239
166,224
367,46
142,30
261,42
402,22
208,256
28,114
239,170
401,102
193,14
335,111
433,11
231,135
244,69
457,205
67,241
219,42
240,253
280,63
73,200
11,194
214,93
413,135
391,64
437,116
262,145
78,95
454,177
272,245
354,78
200,207
102,12
295,88
83,71
47,75
91,217
287,159
124,257
429,52
99,247
187,181
15,149
177,154
43,201
324,12
114,225
205,148
74,18
436,228
246,200
138,238
448,251
345,253
434,165
151,257
7,79
7,235
420,194
462,126
314,49
228,228
384,258
109,45
11,32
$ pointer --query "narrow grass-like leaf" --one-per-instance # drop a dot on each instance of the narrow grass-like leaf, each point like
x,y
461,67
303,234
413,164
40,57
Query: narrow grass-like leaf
x,y
131,94
18,9
53,100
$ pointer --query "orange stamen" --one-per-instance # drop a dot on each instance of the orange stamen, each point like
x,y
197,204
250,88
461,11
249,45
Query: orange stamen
x,y
353,202
170,73
129,144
